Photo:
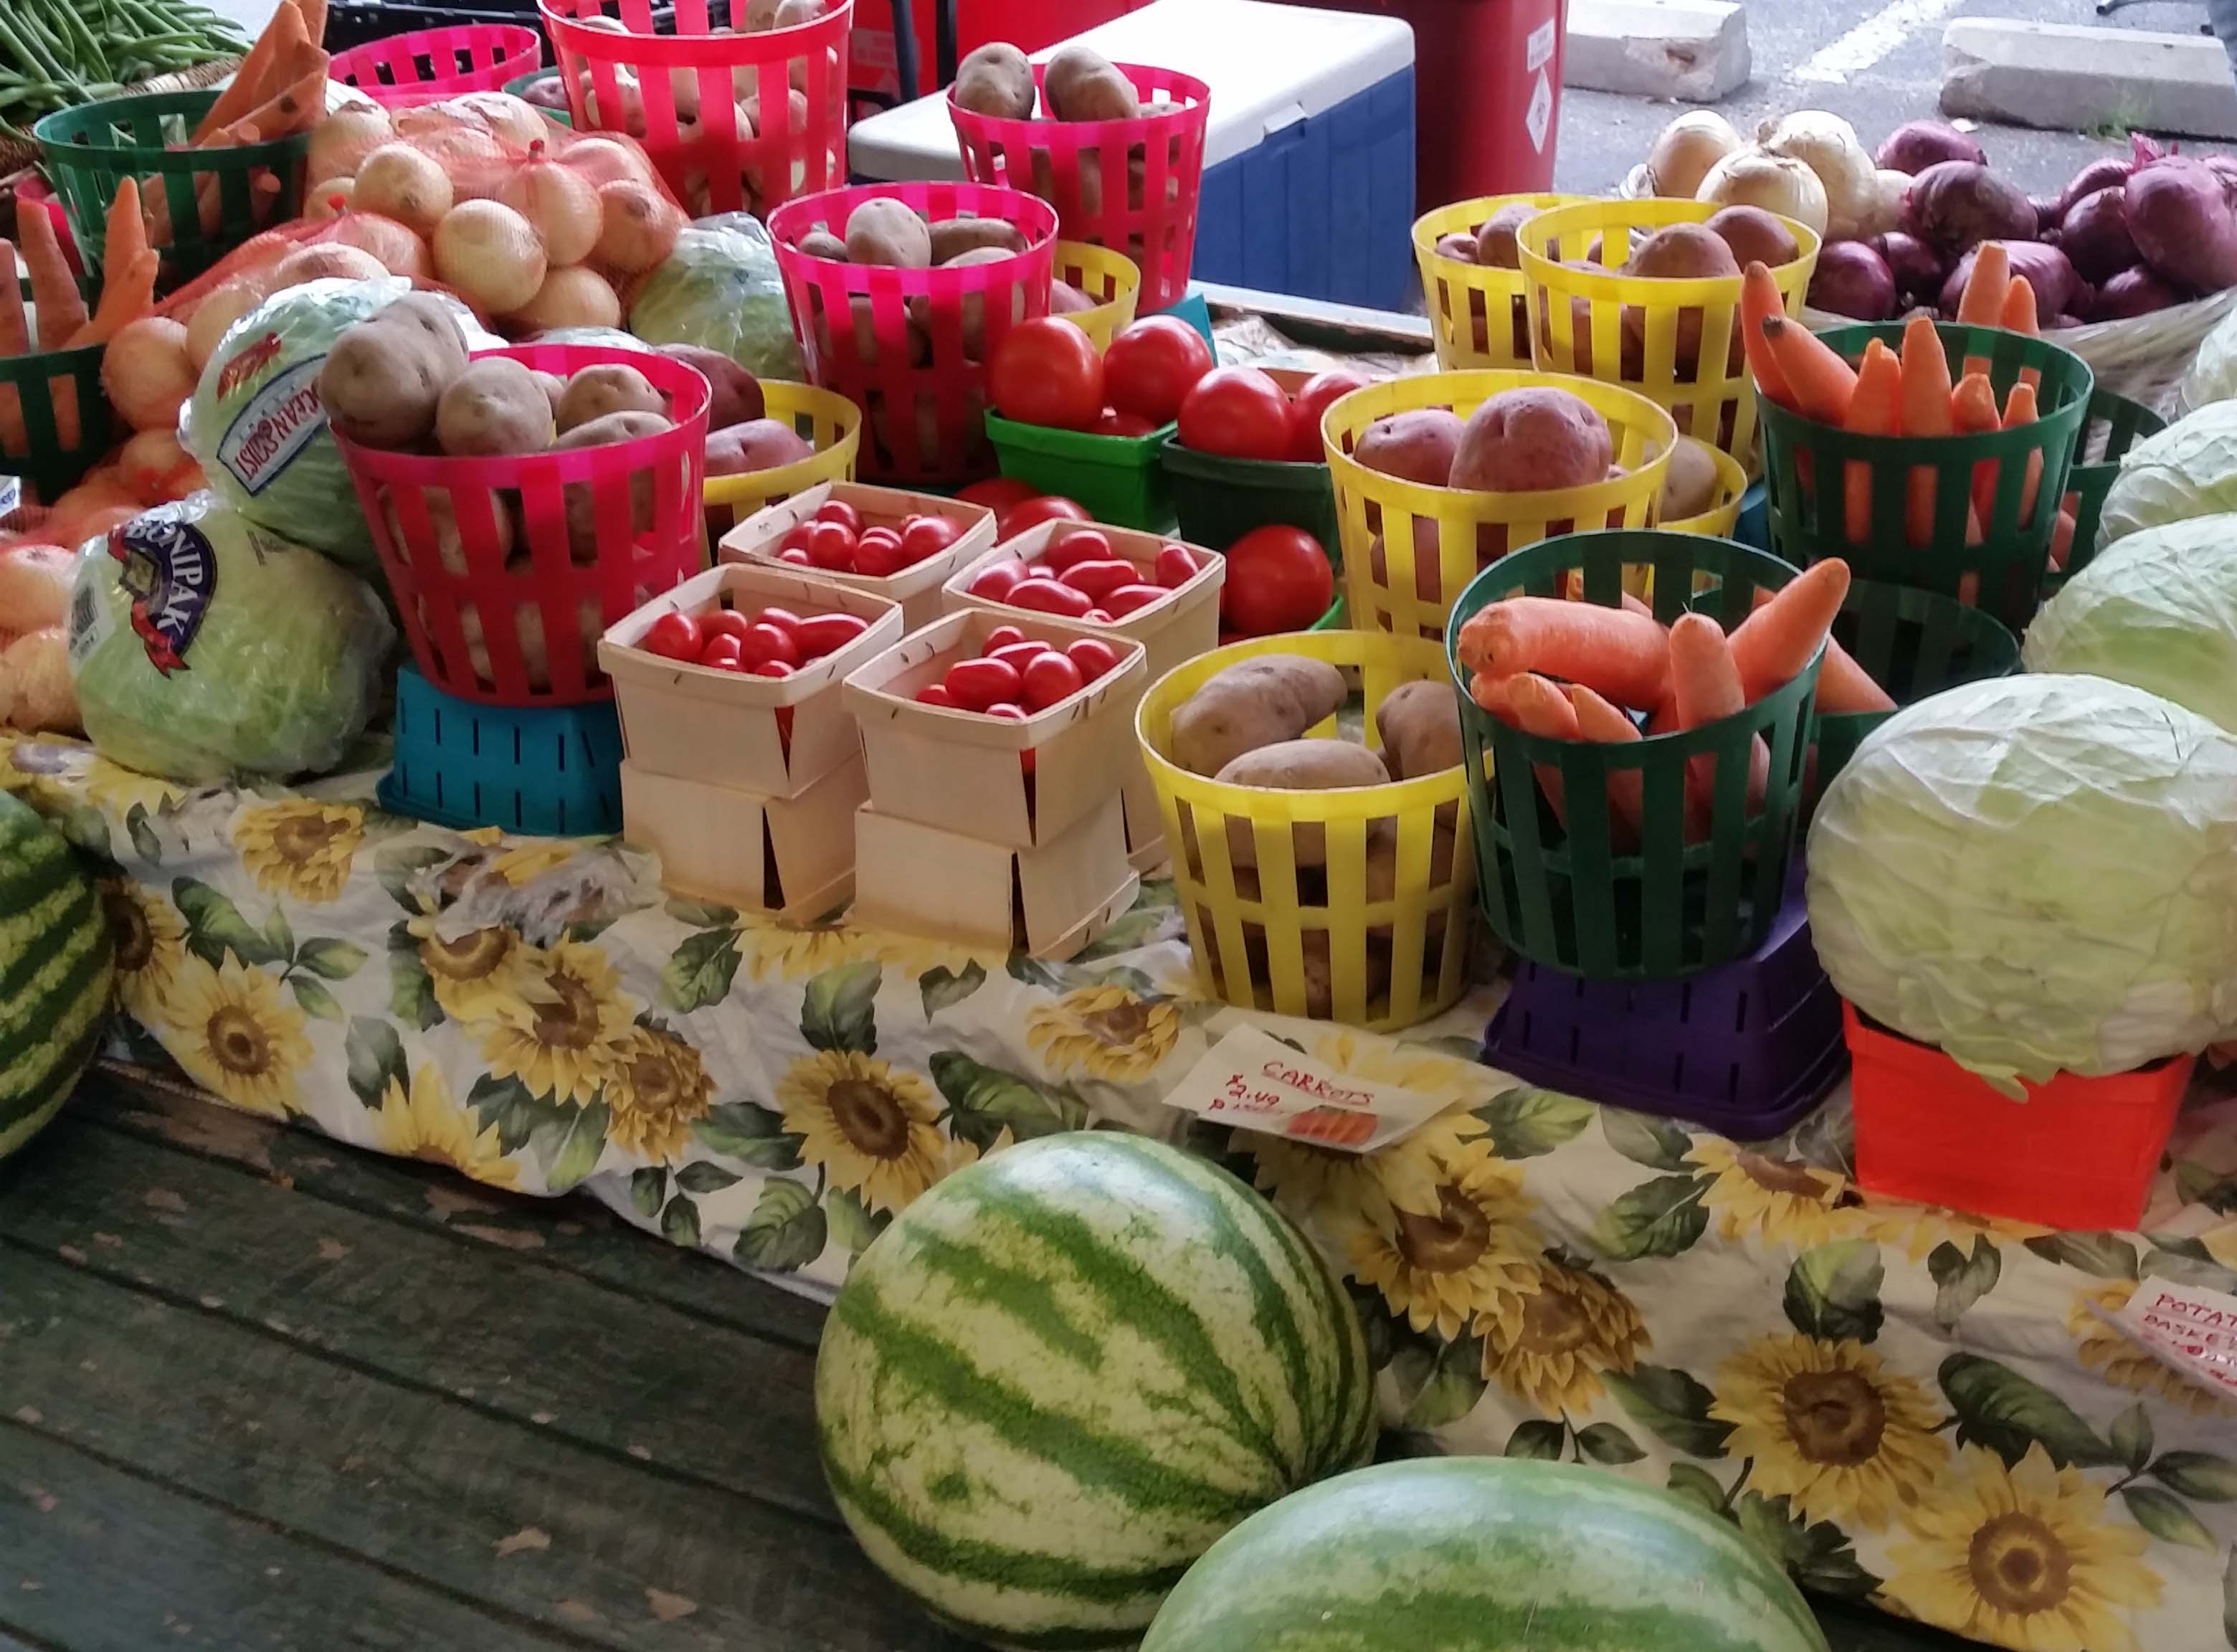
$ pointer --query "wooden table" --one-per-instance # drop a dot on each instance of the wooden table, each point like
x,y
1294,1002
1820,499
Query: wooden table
x,y
258,1390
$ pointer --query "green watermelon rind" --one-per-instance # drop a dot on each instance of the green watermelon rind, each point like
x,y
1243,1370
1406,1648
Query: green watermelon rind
x,y
56,970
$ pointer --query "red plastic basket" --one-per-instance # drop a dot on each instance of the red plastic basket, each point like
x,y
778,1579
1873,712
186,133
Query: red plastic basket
x,y
477,611
1083,168
904,355
2077,1152
692,85
428,65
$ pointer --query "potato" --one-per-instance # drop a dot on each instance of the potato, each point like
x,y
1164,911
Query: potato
x,y
885,231
1428,581
821,243
737,393
553,387
1383,861
494,406
1755,237
996,81
974,307
1497,245
1459,246
625,425
1298,766
1689,486
1679,252
1419,727
1065,299
611,387
1524,441
952,237
756,444
581,503
426,313
1259,702
1082,84
1417,445
381,384
443,522
1253,975
528,630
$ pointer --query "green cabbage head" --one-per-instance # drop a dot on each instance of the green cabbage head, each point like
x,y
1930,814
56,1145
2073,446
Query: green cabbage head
x,y
2188,470
2158,611
2036,874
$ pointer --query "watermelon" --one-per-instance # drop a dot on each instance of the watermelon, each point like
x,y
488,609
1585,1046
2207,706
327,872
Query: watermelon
x,y
1485,1555
54,972
1061,1374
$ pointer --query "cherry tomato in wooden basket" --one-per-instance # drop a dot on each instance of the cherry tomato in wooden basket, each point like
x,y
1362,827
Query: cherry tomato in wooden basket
x,y
1049,677
722,622
998,581
721,654
1052,597
1093,658
1001,637
822,634
672,636
1129,598
842,512
764,643
831,544
1019,655
976,684
935,694
1100,579
923,536
1174,567
1080,544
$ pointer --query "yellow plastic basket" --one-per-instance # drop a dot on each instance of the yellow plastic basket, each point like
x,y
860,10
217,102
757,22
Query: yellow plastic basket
x,y
1113,279
1632,332
1317,945
824,418
1408,549
1461,297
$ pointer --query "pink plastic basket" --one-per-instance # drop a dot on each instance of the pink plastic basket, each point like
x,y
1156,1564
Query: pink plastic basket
x,y
912,355
696,89
430,64
1084,169
503,613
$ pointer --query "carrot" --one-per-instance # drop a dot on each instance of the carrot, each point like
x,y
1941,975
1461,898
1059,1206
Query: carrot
x,y
314,20
1924,411
15,339
2061,538
1973,413
1573,589
1842,685
1775,642
54,292
126,235
1536,706
1760,302
1705,686
1597,720
2020,409
1874,410
1620,655
299,104
248,90
126,296
1822,383
1985,290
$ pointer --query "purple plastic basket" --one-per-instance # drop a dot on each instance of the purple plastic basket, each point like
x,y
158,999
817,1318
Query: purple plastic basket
x,y
1747,1048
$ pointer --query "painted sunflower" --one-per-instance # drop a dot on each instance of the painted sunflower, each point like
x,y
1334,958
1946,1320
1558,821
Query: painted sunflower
x,y
783,951
424,1122
2021,1557
114,786
872,1126
1831,1427
1549,1345
1108,1032
236,1034
658,1087
151,946
564,1038
298,847
1474,1253
480,976
1309,1180
2117,1359
1780,1200
1918,1228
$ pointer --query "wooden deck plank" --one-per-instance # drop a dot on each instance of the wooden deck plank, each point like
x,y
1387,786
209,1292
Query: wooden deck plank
x,y
528,1523
547,1351
96,1559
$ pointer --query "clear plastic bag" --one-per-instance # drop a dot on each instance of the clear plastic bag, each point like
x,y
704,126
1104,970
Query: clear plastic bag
x,y
719,290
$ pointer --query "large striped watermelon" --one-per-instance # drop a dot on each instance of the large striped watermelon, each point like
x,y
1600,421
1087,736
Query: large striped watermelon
x,y
1484,1554
54,972
1061,1374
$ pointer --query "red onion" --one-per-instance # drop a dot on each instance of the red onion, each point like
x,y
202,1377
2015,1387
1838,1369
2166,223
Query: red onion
x,y
2179,215
2048,209
2101,174
2132,292
1916,145
1854,281
1917,268
1956,205
2095,235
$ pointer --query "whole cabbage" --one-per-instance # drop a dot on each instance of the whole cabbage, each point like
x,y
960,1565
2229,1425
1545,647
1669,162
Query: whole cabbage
x,y
203,648
2212,375
2038,874
2188,470
720,289
2157,611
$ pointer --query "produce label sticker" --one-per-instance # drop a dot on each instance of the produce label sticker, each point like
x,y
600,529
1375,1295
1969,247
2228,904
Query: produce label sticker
x,y
2191,1330
169,572
1252,1081
1539,49
275,424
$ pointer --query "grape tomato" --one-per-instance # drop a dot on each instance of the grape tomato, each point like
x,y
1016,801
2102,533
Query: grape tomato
x,y
1129,598
1100,579
976,684
672,636
1174,567
842,512
822,634
1047,678
1051,597
1093,658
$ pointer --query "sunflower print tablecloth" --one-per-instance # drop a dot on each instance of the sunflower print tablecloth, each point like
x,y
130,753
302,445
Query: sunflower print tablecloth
x,y
1917,1407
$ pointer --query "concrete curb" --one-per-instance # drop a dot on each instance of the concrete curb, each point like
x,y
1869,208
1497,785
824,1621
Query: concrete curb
x,y
2068,78
1695,50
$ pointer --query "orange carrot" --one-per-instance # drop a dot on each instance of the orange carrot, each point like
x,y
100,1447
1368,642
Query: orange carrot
x,y
296,107
1924,412
15,331
314,20
126,236
1842,685
2020,409
1760,302
54,291
1985,290
1822,383
1973,413
1620,655
2020,316
126,295
248,90
1598,720
1705,686
1534,706
1775,642
2061,538
1874,410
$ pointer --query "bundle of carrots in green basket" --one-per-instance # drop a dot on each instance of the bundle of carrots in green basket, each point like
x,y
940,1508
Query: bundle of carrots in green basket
x,y
1570,669
1908,393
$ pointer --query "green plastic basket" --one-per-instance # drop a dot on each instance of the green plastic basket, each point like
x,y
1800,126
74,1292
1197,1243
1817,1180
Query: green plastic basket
x,y
87,152
46,465
1569,896
2124,423
1912,644
518,86
1807,470
1116,477
1335,619
1220,500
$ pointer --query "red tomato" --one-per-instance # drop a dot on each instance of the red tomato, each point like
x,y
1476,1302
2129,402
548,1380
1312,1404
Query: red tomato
x,y
1238,412
723,622
1019,655
783,617
974,684
1311,402
879,554
1049,597
1047,371
1000,638
796,536
998,581
1079,544
794,557
1115,423
935,694
1099,579
1049,678
1278,579
1174,567
1124,600
927,536
1151,366
1093,658
763,642
1042,507
1009,709
672,636
721,654
1097,615
831,545
999,494
775,668
821,634
842,512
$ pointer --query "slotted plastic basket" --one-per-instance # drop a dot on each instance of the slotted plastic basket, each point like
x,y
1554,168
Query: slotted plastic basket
x,y
54,421
2114,426
427,65
1462,296
823,418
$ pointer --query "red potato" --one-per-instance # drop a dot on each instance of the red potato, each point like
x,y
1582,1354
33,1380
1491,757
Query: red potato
x,y
1417,445
756,445
1532,440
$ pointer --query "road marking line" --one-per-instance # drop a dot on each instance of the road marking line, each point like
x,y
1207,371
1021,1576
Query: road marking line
x,y
1871,40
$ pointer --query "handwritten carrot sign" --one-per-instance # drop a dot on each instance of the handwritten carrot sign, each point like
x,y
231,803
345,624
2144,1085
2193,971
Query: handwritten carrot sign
x,y
1252,1081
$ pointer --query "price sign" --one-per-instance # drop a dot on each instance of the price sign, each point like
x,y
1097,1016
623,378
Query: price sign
x,y
2191,1330
1252,1081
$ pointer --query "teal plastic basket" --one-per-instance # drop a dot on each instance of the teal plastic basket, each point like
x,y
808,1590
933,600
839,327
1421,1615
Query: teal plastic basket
x,y
546,771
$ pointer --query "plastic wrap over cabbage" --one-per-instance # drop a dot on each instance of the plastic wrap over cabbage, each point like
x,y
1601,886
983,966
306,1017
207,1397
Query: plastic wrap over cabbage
x,y
2036,874
2212,375
2157,611
720,289
2188,470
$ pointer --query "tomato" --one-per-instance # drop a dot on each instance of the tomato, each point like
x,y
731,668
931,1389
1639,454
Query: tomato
x,y
1009,709
1093,658
1238,412
723,622
1049,597
1019,655
1311,402
784,617
1049,678
792,556
763,642
879,558
1000,638
998,581
1151,367
1124,600
1047,371
775,668
1174,567
1080,544
1097,615
1042,507
935,694
821,634
842,512
974,684
1278,579
796,537
720,653
672,636
831,545
1115,423
927,536
1100,579
999,494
